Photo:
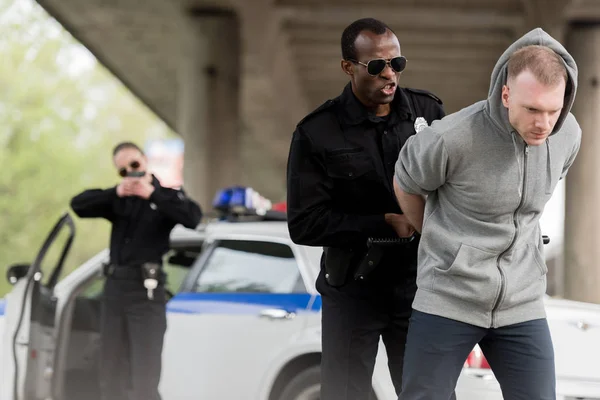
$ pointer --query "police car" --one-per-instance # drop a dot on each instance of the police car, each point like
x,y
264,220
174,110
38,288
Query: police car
x,y
243,320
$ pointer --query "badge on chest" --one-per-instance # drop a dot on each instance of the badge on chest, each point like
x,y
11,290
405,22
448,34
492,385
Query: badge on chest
x,y
420,124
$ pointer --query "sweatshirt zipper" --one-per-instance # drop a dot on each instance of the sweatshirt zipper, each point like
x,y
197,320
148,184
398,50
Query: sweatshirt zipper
x,y
514,239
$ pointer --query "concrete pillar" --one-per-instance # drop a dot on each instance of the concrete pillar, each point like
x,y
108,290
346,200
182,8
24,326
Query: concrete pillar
x,y
208,109
582,218
272,98
546,14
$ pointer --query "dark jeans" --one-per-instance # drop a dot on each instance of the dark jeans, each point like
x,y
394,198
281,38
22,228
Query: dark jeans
x,y
132,330
521,356
354,317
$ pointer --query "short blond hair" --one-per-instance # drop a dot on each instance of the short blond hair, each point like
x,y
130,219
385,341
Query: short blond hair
x,y
543,62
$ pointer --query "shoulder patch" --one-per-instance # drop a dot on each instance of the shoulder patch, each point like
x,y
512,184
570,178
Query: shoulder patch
x,y
422,92
328,104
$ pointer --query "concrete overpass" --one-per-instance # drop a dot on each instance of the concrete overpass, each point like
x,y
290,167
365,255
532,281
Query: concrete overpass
x,y
234,76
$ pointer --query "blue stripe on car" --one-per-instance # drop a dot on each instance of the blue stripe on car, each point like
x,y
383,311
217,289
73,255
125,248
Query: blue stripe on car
x,y
240,303
232,303
316,306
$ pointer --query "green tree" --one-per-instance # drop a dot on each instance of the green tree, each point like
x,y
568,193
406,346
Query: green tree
x,y
60,114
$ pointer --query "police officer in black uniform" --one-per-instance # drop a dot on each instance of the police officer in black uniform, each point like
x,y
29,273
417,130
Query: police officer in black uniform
x,y
133,318
340,195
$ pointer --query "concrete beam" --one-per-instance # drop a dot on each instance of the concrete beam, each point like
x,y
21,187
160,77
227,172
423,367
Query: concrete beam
x,y
417,17
70,16
486,58
466,52
547,14
582,11
309,34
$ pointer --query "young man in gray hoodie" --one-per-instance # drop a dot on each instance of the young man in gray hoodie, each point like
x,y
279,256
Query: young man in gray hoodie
x,y
488,171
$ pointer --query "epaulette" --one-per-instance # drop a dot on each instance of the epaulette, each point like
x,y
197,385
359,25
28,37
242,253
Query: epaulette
x,y
328,104
425,93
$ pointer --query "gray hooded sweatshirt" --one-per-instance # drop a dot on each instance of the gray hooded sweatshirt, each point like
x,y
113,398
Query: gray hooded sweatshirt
x,y
481,253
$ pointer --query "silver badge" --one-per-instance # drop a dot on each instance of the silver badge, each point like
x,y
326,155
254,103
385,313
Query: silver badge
x,y
153,206
420,124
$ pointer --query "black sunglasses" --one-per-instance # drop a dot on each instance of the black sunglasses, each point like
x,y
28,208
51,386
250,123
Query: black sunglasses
x,y
376,66
134,165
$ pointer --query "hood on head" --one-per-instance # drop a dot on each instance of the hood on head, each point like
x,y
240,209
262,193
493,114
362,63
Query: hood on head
x,y
535,37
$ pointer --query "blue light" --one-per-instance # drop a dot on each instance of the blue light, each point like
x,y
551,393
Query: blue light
x,y
222,199
241,200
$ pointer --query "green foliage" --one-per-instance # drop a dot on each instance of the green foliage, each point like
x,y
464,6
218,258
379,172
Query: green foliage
x,y
61,113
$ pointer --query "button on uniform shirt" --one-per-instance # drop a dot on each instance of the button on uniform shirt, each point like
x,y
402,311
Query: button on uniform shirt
x,y
341,166
140,228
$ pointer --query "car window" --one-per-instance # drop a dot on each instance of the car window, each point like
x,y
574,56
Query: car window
x,y
177,263
52,258
251,267
93,290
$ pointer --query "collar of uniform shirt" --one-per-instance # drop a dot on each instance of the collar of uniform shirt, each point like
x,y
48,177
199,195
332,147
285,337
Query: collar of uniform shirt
x,y
354,112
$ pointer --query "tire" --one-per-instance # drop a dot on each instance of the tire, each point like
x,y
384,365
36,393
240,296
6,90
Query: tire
x,y
304,386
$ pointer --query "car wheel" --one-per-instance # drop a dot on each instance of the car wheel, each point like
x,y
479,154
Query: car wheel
x,y
304,386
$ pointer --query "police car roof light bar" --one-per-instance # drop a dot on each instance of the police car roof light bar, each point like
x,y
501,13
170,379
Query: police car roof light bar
x,y
239,203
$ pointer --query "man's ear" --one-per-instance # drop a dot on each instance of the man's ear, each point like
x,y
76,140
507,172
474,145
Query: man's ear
x,y
347,67
505,95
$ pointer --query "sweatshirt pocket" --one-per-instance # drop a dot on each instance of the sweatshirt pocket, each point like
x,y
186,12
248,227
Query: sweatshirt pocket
x,y
473,277
525,277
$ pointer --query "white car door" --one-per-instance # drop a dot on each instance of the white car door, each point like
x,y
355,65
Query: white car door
x,y
28,342
242,305
575,329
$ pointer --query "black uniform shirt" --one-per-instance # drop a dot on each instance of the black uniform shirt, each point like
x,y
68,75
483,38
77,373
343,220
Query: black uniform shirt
x,y
140,228
341,166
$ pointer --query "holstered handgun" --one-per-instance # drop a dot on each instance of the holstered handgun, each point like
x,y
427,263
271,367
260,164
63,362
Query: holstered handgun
x,y
375,250
338,262
151,270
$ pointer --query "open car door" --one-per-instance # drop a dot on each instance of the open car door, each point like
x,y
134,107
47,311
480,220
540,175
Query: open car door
x,y
30,310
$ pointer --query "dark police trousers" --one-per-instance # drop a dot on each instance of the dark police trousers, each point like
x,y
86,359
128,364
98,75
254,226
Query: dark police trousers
x,y
354,317
521,356
132,332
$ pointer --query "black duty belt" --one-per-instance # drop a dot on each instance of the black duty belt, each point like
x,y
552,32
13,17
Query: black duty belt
x,y
125,272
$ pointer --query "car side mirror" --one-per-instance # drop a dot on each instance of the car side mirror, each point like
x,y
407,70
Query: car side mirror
x,y
16,272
